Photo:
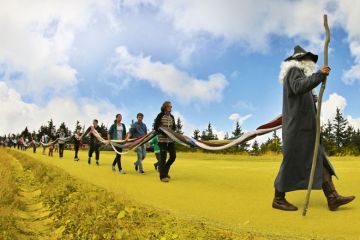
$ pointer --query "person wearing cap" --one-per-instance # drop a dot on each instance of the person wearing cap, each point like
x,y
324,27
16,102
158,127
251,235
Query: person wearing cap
x,y
299,77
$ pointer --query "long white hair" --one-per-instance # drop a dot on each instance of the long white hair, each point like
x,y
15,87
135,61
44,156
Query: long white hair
x,y
308,67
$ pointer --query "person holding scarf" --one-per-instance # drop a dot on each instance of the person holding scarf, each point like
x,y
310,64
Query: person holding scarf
x,y
77,142
94,142
137,130
61,141
117,131
166,120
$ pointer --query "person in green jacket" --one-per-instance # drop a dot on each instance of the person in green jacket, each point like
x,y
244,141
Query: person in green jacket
x,y
154,143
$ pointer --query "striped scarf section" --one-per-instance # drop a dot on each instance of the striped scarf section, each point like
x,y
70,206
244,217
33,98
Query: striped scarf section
x,y
133,144
271,126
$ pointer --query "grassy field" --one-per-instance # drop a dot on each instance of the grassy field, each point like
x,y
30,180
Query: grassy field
x,y
224,191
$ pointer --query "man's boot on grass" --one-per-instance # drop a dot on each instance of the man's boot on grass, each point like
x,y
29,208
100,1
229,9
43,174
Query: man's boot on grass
x,y
280,202
333,198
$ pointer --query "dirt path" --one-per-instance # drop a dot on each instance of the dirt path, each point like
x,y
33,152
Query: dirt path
x,y
232,191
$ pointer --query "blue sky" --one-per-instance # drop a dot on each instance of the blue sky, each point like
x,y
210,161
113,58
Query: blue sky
x,y
213,60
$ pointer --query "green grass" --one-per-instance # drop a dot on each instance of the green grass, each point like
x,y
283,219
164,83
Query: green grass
x,y
232,192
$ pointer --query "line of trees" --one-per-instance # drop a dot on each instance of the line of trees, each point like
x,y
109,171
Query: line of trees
x,y
340,138
337,136
51,130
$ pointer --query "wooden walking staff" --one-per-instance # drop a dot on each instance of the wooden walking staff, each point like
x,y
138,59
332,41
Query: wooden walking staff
x,y
317,139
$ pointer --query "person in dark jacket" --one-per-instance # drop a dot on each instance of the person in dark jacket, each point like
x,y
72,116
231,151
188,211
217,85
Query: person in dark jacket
x,y
77,142
117,131
94,142
299,78
165,119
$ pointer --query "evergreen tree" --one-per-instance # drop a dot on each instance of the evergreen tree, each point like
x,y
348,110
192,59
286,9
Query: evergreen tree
x,y
340,124
237,131
77,125
204,136
209,133
179,126
271,145
51,131
25,133
265,147
255,148
327,138
226,136
275,145
356,141
349,134
104,130
196,134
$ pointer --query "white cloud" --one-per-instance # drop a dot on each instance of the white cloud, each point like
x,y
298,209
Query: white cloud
x,y
16,114
347,15
355,122
237,117
188,128
328,110
250,22
37,38
172,81
244,105
220,134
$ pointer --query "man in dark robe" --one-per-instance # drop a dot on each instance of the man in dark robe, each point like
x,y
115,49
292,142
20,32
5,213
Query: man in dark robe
x,y
299,78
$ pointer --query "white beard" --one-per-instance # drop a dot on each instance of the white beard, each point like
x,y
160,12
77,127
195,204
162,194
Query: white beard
x,y
308,68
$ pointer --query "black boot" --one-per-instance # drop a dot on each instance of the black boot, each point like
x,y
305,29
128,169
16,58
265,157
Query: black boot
x,y
333,198
280,202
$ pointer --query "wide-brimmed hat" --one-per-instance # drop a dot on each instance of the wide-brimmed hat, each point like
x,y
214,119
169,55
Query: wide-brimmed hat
x,y
300,53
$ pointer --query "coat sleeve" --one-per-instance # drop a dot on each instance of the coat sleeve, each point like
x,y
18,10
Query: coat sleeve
x,y
300,84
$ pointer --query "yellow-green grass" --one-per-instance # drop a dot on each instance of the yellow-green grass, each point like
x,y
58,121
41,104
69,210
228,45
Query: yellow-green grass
x,y
233,191
8,202
55,205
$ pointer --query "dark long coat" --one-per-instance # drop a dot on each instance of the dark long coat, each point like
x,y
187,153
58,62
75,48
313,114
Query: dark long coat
x,y
298,133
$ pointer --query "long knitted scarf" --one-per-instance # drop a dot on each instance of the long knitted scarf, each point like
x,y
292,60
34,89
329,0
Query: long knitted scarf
x,y
133,144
